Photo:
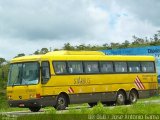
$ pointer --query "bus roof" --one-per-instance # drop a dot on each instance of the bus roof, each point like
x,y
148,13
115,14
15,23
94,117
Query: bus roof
x,y
80,55
27,58
64,52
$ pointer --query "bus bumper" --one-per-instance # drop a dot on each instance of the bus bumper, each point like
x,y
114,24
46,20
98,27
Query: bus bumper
x,y
40,102
148,93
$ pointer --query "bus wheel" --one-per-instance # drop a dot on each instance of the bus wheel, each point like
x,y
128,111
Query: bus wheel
x,y
61,102
92,104
120,100
133,97
34,109
111,103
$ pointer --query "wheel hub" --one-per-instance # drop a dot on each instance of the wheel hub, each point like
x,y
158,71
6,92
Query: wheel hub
x,y
133,97
61,101
120,97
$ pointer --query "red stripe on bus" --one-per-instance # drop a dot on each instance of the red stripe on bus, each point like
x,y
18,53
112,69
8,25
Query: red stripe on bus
x,y
141,83
137,84
70,90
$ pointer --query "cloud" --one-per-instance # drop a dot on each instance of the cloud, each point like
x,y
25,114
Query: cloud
x,y
11,48
125,23
75,19
28,25
146,10
50,19
127,26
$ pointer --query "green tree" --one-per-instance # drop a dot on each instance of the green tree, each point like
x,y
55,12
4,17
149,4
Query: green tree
x,y
80,47
155,37
36,52
56,49
20,55
106,46
125,44
67,46
2,60
44,51
115,45
4,71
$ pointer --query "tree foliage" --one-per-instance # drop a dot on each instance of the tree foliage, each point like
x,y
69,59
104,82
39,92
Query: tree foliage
x,y
136,42
2,60
42,51
4,71
20,55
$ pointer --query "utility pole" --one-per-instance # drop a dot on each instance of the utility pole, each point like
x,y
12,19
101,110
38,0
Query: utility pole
x,y
50,49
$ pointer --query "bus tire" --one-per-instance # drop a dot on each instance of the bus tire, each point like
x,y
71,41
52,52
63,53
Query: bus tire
x,y
110,103
34,109
92,104
133,96
61,103
121,98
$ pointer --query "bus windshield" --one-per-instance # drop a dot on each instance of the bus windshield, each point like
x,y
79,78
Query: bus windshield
x,y
23,74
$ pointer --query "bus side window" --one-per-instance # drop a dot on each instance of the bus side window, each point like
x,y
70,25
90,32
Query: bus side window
x,y
75,67
91,67
121,67
134,67
106,67
60,67
147,66
45,72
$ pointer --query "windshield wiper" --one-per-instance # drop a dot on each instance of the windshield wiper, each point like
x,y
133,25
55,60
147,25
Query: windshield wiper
x,y
25,83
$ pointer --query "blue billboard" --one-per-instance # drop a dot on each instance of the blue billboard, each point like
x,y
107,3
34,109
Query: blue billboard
x,y
149,50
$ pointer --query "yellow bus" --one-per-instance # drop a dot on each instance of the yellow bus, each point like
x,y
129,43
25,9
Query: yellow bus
x,y
61,78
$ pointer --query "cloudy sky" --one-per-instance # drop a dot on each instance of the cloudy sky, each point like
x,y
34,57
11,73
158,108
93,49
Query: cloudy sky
x,y
28,25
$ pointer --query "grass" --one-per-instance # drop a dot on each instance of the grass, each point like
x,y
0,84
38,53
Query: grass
x,y
4,107
97,112
84,113
3,103
138,108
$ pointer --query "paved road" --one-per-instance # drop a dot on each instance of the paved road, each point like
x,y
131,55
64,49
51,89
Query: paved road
x,y
28,112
